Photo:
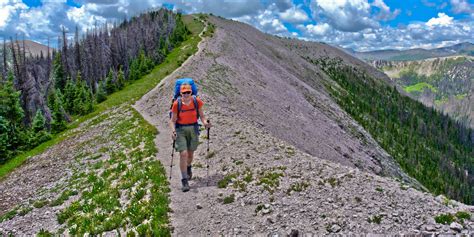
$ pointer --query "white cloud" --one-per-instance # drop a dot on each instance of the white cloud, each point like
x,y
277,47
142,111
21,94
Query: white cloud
x,y
9,8
228,8
319,29
462,6
294,15
442,20
267,21
370,36
344,15
385,13
83,17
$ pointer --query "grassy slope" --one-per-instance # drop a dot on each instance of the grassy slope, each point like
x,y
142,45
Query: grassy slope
x,y
419,87
129,94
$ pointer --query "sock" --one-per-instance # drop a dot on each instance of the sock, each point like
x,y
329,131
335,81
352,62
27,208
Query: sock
x,y
189,168
184,175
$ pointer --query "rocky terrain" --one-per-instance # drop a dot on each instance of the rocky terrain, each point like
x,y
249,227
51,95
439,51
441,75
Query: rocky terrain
x,y
284,158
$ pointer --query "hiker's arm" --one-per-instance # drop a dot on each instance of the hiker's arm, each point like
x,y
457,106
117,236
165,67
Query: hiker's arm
x,y
173,119
203,119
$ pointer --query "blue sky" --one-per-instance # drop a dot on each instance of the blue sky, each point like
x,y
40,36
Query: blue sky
x,y
358,24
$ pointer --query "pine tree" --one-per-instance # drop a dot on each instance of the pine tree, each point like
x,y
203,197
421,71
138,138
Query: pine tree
x,y
40,134
10,107
83,103
12,115
38,122
120,79
69,94
58,121
110,86
5,141
59,77
134,70
101,94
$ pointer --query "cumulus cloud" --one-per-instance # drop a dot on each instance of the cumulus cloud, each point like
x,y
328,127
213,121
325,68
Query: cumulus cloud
x,y
267,21
83,18
384,13
8,9
462,6
319,29
226,8
344,15
441,20
37,23
413,35
294,15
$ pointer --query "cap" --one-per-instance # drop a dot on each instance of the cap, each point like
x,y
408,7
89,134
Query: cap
x,y
185,87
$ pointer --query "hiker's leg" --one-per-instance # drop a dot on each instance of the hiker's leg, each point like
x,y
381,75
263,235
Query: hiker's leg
x,y
183,163
190,157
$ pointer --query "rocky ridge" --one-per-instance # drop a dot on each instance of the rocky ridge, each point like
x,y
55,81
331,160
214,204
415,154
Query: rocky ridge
x,y
267,176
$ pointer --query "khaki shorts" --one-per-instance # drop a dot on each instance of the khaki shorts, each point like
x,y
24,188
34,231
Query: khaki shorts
x,y
186,139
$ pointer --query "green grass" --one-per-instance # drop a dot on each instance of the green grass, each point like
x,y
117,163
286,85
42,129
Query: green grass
x,y
226,180
129,94
377,219
461,96
9,215
229,199
298,187
419,87
444,219
333,182
99,208
270,180
441,101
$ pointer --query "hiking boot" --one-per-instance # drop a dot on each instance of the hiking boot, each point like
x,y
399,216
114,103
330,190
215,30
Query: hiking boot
x,y
190,173
185,187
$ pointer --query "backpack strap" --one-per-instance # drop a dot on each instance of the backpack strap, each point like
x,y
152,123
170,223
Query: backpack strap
x,y
196,106
180,103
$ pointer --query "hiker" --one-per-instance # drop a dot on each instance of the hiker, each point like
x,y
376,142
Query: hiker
x,y
185,130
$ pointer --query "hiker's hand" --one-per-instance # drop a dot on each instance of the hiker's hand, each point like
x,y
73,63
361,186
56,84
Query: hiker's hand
x,y
207,125
173,135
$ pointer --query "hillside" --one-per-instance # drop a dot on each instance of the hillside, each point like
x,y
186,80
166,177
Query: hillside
x,y
286,156
31,48
466,49
446,84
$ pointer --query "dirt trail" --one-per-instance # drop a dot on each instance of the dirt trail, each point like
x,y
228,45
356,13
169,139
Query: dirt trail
x,y
180,204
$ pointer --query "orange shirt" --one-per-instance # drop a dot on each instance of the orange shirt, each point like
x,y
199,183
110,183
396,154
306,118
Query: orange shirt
x,y
187,115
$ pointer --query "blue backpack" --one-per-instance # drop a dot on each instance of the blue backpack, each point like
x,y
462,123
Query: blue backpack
x,y
177,94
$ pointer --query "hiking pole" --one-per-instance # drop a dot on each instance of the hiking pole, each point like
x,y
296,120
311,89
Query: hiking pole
x,y
208,138
172,156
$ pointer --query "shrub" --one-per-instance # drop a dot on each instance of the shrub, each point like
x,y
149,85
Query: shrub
x,y
229,199
444,219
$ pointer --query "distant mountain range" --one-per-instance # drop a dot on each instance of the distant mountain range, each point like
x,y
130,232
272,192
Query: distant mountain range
x,y
414,54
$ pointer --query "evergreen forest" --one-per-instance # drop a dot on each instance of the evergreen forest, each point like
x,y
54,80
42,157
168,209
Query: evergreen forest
x,y
40,95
